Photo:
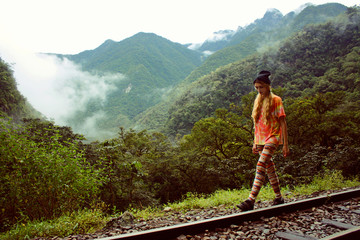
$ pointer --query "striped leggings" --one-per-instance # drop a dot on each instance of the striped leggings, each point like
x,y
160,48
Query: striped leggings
x,y
265,166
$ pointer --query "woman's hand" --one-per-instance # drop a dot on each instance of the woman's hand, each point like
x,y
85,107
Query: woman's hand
x,y
254,149
286,150
283,125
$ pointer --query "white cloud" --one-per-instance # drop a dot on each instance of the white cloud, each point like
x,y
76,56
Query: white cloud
x,y
57,87
221,35
89,128
194,46
302,7
207,53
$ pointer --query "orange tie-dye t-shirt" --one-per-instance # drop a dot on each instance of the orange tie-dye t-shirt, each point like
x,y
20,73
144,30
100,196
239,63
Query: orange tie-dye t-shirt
x,y
270,132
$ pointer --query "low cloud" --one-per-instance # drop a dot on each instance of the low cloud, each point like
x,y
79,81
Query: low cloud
x,y
207,53
90,129
195,46
222,35
57,87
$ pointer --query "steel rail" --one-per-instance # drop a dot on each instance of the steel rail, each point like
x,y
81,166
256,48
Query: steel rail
x,y
172,232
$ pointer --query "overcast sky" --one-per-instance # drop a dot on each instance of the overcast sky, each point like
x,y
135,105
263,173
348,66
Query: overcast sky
x,y
72,26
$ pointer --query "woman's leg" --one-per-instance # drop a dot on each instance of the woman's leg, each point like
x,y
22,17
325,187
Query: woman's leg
x,y
265,165
273,178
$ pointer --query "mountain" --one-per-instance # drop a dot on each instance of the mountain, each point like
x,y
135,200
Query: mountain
x,y
261,34
165,60
257,37
275,23
151,65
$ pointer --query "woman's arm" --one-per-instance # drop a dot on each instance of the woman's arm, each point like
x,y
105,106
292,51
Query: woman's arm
x,y
283,126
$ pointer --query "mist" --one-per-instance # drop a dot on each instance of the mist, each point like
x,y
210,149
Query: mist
x,y
59,89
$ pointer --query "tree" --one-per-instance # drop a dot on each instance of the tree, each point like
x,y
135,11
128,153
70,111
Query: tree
x,y
128,162
220,147
321,118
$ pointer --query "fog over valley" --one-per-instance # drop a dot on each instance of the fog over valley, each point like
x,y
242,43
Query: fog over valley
x,y
58,88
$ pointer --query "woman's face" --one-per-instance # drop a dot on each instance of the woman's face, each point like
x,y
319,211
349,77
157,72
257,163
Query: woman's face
x,y
262,88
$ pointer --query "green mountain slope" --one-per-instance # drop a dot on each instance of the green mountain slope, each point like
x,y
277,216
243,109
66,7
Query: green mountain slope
x,y
151,65
320,58
166,61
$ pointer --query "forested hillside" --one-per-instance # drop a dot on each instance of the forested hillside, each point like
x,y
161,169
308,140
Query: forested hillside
x,y
255,38
12,103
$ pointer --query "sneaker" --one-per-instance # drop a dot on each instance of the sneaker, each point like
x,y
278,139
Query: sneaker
x,y
278,201
246,206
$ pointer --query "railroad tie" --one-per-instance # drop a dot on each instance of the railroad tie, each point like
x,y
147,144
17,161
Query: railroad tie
x,y
337,224
356,211
294,236
288,235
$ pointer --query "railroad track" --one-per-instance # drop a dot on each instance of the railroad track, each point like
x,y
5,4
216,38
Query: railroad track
x,y
348,232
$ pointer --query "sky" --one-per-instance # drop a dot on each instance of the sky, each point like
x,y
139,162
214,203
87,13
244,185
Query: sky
x,y
30,27
72,26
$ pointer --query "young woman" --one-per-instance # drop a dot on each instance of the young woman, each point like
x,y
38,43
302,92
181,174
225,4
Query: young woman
x,y
270,131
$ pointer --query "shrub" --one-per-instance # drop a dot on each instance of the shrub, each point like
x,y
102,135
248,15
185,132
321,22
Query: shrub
x,y
40,180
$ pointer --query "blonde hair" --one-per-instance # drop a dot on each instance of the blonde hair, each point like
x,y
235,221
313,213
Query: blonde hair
x,y
264,103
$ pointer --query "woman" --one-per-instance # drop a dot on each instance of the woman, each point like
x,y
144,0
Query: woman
x,y
270,131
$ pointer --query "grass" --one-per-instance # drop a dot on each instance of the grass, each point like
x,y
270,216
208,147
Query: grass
x,y
80,222
88,221
328,181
